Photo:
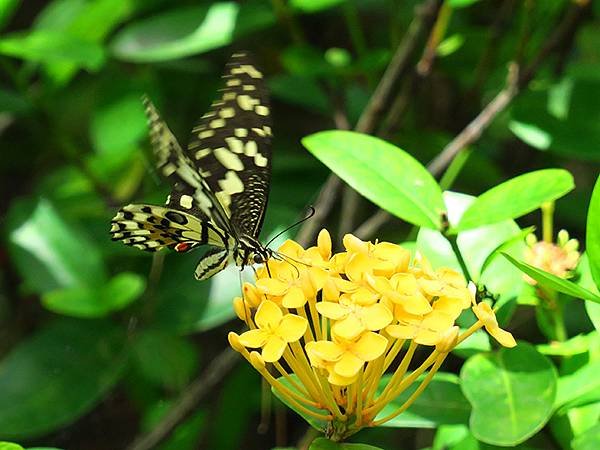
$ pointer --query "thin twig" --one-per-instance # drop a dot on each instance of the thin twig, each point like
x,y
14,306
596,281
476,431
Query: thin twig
x,y
425,15
475,128
189,399
398,67
517,81
437,34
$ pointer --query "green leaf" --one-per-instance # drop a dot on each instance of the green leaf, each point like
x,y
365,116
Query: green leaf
x,y
7,10
592,241
165,359
319,425
577,384
177,33
441,403
49,46
573,346
51,254
313,6
89,20
325,444
92,301
553,282
382,172
512,393
122,289
10,446
118,126
57,375
531,134
590,440
516,197
461,3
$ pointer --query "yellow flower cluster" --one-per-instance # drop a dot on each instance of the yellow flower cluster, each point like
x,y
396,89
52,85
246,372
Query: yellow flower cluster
x,y
332,325
559,259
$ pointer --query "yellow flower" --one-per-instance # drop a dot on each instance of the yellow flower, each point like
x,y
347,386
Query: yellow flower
x,y
424,330
347,357
485,314
356,315
274,331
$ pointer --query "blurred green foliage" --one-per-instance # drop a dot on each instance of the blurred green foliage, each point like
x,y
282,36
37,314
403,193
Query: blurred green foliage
x,y
99,340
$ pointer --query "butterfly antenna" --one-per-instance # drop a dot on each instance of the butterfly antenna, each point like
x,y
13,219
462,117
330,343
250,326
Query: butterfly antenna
x,y
304,219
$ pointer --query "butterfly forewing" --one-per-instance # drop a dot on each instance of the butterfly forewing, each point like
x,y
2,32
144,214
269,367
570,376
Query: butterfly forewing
x,y
176,166
231,146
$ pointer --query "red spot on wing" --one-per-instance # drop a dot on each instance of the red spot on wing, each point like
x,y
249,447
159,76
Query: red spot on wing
x,y
182,247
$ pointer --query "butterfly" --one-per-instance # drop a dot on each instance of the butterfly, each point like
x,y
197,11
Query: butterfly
x,y
220,182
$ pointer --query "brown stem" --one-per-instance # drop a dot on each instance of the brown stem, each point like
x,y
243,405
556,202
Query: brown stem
x,y
425,15
188,400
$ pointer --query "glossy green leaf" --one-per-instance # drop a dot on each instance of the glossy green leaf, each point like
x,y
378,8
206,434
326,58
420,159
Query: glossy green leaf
x,y
573,346
441,403
590,440
447,436
512,393
382,172
583,278
177,33
551,281
58,374
325,444
10,446
578,384
51,254
49,46
592,242
516,197
165,359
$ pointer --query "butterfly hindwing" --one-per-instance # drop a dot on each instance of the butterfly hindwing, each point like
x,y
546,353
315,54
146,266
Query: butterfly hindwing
x,y
151,228
231,146
211,263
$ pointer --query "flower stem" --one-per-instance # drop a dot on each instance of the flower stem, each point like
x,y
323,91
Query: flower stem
x,y
547,221
463,265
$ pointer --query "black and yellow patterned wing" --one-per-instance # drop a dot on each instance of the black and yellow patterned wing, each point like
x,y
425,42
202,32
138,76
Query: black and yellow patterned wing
x,y
151,228
231,146
173,164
